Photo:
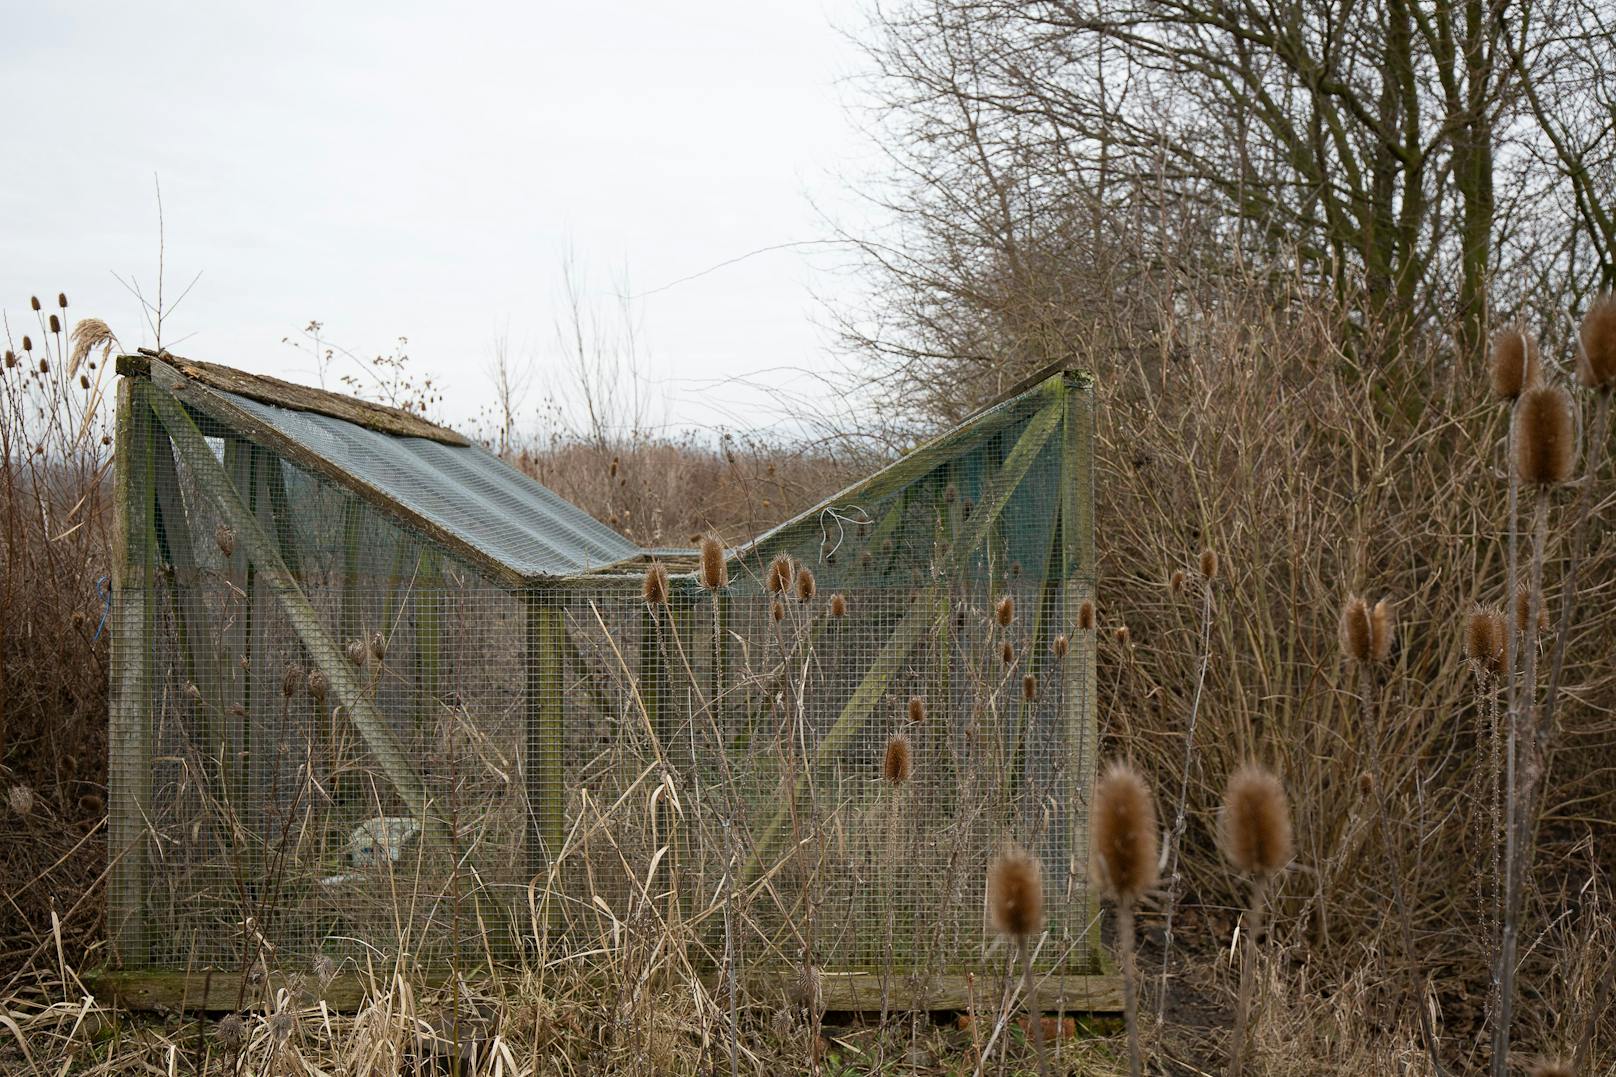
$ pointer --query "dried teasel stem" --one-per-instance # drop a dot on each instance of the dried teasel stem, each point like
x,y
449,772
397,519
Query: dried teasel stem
x,y
1175,836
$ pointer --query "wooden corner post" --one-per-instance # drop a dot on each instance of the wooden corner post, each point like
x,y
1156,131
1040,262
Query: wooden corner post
x,y
129,741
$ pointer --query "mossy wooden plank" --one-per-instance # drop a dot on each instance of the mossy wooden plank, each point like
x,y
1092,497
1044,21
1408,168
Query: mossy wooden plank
x,y
129,715
346,686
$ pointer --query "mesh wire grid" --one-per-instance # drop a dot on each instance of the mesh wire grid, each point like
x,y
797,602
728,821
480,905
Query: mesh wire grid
x,y
338,738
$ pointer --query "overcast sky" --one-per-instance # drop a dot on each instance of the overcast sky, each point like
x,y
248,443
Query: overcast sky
x,y
418,170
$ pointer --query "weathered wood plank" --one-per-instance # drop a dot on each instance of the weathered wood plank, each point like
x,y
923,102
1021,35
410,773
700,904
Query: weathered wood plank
x,y
130,713
546,788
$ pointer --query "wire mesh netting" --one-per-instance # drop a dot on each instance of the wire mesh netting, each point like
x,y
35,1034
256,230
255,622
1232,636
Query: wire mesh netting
x,y
333,735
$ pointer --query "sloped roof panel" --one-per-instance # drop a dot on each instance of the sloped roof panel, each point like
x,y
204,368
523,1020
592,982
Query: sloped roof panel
x,y
462,489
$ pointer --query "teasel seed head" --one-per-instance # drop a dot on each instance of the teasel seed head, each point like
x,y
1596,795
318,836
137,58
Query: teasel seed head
x,y
11,359
1007,652
91,803
325,970
1596,361
1357,632
1513,365
281,1025
896,761
778,611
1005,611
780,573
1059,646
357,652
1123,636
805,584
1175,582
291,678
655,586
1085,616
1545,437
1366,782
225,539
27,343
318,685
33,301
1125,839
917,710
1485,641
231,1034
61,300
838,605
378,645
1209,564
55,324
20,799
1016,893
1029,687
1523,612
714,570
1254,826
808,989
1382,630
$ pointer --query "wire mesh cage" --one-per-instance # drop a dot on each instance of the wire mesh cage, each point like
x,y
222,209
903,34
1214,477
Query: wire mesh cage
x,y
376,694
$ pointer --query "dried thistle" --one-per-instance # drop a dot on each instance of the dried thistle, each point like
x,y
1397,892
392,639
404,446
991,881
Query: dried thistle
x,y
55,324
1545,437
61,300
1016,893
27,343
1357,632
1485,639
805,584
1029,687
291,678
1123,636
1005,611
1366,782
325,971
1523,612
11,359
318,685
1596,362
20,799
33,301
1007,652
282,1025
225,539
1125,839
838,605
230,1034
1085,616
1382,630
714,570
655,586
1059,646
917,710
1254,827
1175,582
778,611
896,761
1513,365
808,989
357,652
1209,564
378,645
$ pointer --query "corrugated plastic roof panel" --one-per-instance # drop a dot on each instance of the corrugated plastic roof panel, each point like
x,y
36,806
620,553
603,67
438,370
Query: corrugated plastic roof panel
x,y
463,489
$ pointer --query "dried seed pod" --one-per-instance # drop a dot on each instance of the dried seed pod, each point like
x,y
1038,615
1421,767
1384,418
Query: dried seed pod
x,y
357,652
225,539
91,803
55,324
1357,634
282,1025
61,300
1209,564
1254,826
778,611
655,586
714,569
1007,652
291,677
1125,838
1523,612
33,301
781,571
325,970
1596,359
917,710
378,645
192,692
1016,893
1029,687
1123,636
838,605
27,343
230,1034
1175,582
1485,640
1545,437
20,799
1005,611
805,584
1513,365
896,761
1059,646
1085,616
318,685
808,990
1366,782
